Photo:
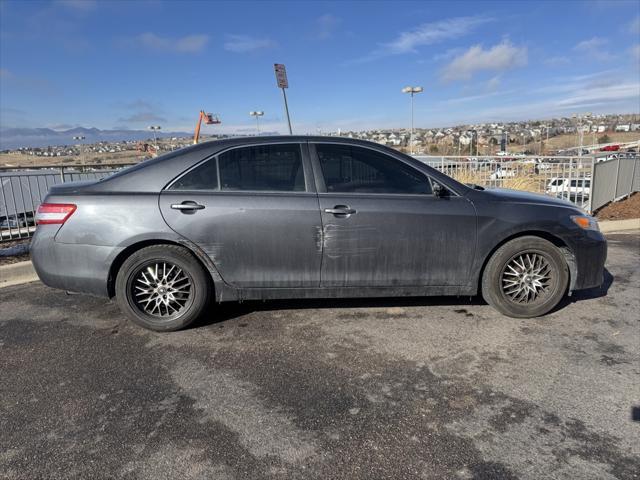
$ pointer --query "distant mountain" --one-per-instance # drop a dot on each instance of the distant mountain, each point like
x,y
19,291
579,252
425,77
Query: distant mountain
x,y
11,138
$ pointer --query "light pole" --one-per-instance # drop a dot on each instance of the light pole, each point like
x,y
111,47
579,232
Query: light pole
x,y
412,91
257,114
154,128
579,118
79,139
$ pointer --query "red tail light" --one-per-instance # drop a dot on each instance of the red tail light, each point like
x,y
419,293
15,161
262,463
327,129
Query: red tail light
x,y
54,213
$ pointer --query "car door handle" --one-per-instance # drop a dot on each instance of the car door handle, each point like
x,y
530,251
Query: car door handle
x,y
187,206
340,210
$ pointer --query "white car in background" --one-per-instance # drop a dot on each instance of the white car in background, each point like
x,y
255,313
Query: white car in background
x,y
502,172
579,186
538,163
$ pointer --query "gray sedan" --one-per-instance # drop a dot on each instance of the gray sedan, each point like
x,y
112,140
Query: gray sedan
x,y
306,217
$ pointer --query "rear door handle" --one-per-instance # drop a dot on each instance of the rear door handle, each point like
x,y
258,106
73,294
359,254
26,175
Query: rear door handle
x,y
340,210
187,206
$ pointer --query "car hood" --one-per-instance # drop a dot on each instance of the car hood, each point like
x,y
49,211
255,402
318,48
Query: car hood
x,y
518,196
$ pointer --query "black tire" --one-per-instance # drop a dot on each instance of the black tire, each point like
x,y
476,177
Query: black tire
x,y
498,277
190,296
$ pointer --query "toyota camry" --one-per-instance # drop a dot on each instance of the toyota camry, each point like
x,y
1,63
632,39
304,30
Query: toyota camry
x,y
306,217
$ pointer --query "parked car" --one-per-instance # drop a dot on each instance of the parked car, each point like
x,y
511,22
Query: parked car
x,y
502,172
610,148
538,164
306,217
581,186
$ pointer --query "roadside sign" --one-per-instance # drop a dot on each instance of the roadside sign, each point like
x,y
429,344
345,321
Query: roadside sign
x,y
281,75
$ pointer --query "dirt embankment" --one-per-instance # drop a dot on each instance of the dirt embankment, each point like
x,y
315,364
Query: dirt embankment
x,y
622,210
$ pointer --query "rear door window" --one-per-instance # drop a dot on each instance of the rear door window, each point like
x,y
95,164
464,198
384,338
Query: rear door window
x,y
263,168
349,169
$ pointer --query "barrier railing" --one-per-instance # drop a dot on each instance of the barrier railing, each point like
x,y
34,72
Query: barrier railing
x,y
584,181
569,178
22,190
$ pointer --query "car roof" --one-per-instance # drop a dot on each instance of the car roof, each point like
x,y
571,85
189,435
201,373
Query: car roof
x,y
152,175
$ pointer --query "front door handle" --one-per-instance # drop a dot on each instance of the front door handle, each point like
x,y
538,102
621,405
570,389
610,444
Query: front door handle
x,y
342,210
187,206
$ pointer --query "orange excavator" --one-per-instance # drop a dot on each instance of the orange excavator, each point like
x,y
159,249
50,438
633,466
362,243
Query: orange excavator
x,y
209,119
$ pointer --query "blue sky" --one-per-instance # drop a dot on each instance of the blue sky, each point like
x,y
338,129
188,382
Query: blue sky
x,y
114,64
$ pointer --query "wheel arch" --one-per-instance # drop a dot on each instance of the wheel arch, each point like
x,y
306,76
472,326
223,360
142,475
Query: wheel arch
x,y
555,240
117,262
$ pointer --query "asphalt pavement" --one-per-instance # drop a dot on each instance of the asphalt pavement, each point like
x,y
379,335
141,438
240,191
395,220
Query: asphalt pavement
x,y
430,388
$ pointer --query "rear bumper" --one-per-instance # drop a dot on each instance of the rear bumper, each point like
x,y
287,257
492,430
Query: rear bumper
x,y
590,253
72,267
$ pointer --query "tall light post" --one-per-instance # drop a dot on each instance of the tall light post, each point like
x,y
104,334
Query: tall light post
x,y
412,91
79,139
578,118
257,114
154,128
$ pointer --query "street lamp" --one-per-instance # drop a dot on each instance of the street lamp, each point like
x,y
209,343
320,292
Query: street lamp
x,y
579,118
79,139
153,128
412,91
257,114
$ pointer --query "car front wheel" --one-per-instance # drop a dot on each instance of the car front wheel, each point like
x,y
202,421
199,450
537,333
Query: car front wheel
x,y
162,288
526,277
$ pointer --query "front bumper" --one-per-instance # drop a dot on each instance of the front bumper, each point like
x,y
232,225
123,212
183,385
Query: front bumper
x,y
72,267
590,253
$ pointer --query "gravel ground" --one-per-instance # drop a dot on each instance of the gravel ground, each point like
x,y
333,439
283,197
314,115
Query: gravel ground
x,y
369,389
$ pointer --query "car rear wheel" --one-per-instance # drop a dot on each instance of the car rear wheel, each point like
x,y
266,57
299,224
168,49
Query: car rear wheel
x,y
162,288
526,277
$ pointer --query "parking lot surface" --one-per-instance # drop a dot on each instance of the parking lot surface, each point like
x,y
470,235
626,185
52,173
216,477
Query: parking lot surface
x,y
434,388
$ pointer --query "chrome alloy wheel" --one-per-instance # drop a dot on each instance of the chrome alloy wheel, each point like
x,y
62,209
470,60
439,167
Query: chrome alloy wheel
x,y
161,289
527,277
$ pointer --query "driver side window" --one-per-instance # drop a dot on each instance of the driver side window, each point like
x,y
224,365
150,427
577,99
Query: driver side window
x,y
349,169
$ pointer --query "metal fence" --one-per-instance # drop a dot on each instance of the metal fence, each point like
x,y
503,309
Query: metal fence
x,y
569,178
585,181
614,179
21,191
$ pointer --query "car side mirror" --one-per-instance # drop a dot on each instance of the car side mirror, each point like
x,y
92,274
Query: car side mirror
x,y
438,190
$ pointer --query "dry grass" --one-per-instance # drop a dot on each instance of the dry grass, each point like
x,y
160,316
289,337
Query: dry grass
x,y
523,181
467,176
526,183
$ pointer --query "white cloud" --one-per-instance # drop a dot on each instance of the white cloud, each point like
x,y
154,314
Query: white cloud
x,y
595,48
427,34
634,26
326,25
499,58
246,43
595,94
188,44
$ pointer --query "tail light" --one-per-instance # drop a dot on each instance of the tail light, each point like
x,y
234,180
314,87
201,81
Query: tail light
x,y
54,213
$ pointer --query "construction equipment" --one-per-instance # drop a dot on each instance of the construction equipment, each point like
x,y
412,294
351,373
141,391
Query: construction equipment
x,y
209,119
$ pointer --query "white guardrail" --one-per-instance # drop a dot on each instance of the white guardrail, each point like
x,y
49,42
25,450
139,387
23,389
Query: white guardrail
x,y
587,181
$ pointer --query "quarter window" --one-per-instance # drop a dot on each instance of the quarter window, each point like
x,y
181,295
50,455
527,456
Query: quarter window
x,y
203,177
265,168
348,169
